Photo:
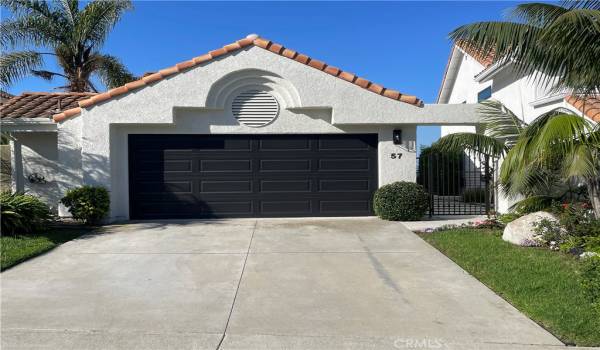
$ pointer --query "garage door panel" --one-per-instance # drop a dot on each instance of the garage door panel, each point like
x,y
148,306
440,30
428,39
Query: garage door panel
x,y
284,144
340,207
340,185
224,186
189,176
284,165
297,207
335,143
165,187
352,164
226,165
285,186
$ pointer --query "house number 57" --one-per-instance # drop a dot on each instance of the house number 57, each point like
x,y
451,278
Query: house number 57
x,y
396,155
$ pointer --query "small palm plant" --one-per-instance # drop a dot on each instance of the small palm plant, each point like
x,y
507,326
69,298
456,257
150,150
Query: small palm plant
x,y
64,30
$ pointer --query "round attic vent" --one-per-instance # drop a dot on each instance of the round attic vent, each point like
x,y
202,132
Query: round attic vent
x,y
255,108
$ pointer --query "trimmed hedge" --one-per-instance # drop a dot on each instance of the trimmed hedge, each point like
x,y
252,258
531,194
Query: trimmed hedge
x,y
401,201
88,203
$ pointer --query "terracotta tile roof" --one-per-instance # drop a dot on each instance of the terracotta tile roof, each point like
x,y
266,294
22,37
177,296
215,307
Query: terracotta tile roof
x,y
40,104
589,106
4,96
484,60
248,41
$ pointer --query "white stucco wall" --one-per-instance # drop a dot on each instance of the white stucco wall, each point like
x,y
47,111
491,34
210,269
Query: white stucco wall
x,y
39,155
93,146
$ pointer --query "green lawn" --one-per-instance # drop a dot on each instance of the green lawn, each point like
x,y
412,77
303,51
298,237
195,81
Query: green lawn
x,y
542,284
18,248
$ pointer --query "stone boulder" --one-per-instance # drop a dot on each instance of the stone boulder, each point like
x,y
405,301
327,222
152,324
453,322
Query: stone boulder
x,y
521,231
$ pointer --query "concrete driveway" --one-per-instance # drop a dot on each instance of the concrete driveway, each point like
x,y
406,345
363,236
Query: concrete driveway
x,y
256,284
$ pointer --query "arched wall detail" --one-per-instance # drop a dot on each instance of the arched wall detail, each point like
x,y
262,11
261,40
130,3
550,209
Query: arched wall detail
x,y
225,89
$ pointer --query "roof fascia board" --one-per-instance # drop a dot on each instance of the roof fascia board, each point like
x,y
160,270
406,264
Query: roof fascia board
x,y
450,74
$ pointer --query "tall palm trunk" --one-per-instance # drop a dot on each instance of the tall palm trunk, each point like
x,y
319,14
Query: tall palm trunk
x,y
593,186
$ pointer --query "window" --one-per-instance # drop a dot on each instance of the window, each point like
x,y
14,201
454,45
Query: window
x,y
484,94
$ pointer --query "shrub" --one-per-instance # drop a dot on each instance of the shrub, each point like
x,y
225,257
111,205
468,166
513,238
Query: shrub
x,y
508,218
590,273
474,195
404,201
550,231
88,204
23,213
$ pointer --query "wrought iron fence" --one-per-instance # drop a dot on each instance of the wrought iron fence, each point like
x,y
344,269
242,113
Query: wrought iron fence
x,y
458,183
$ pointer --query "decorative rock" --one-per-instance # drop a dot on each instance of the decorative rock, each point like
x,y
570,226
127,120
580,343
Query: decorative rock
x,y
521,231
585,255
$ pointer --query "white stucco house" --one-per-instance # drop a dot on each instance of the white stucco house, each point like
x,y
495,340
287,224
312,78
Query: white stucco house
x,y
471,77
250,129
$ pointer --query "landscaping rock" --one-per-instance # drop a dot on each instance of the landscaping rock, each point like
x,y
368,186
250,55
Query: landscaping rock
x,y
586,255
521,231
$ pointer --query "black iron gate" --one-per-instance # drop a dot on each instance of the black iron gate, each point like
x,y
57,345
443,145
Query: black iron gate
x,y
458,183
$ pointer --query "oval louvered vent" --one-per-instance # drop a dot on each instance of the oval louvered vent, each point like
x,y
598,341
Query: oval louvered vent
x,y
255,108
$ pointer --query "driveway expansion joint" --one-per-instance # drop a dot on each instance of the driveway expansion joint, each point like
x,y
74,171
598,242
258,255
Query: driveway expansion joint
x,y
238,286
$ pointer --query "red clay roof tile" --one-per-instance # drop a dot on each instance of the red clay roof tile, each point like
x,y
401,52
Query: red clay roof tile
x,y
347,76
41,104
248,41
332,70
589,106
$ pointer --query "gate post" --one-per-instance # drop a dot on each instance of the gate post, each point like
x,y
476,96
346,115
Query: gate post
x,y
487,185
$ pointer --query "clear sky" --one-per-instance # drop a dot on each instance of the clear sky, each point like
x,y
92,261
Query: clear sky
x,y
401,45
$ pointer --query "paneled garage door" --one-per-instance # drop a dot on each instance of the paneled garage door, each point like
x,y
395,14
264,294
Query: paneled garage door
x,y
199,176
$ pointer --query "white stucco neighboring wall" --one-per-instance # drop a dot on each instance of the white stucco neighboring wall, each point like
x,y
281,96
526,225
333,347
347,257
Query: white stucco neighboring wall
x,y
35,156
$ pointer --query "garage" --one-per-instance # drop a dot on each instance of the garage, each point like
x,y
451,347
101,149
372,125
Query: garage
x,y
217,176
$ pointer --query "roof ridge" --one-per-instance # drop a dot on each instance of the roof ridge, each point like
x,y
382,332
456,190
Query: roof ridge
x,y
252,39
57,93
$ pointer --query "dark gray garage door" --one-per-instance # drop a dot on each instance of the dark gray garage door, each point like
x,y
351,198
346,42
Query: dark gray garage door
x,y
198,176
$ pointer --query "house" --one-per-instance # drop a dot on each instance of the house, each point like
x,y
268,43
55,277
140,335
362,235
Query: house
x,y
33,140
471,77
247,130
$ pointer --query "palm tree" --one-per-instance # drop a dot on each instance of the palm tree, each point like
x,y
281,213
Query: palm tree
x,y
71,34
558,47
559,143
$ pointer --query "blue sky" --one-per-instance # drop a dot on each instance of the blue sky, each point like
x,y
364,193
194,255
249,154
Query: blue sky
x,y
402,45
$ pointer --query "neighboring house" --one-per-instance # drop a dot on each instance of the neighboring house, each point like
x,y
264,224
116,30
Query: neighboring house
x,y
471,77
33,139
250,129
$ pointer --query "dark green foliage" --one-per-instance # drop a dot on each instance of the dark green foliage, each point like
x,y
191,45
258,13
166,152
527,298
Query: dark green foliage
x,y
590,274
401,201
439,169
474,195
23,213
88,204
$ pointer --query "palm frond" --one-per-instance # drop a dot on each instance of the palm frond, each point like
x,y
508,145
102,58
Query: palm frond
x,y
97,19
500,122
16,65
28,7
111,71
533,204
27,31
537,14
46,75
459,142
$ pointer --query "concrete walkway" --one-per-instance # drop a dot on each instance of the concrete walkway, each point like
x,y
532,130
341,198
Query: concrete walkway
x,y
256,284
